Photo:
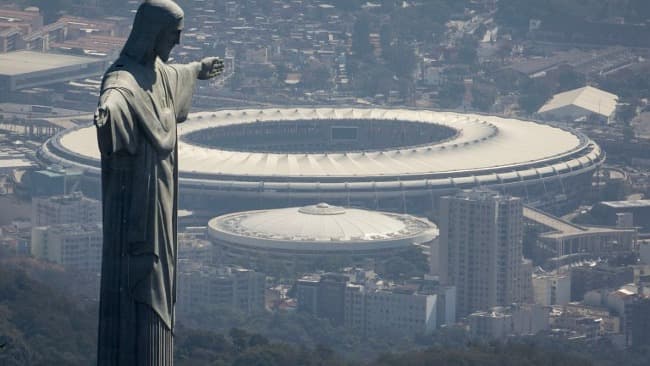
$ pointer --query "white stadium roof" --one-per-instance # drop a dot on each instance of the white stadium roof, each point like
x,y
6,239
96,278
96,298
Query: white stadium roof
x,y
486,151
482,142
588,98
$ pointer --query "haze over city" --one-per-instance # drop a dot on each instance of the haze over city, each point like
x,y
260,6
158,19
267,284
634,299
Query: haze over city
x,y
351,182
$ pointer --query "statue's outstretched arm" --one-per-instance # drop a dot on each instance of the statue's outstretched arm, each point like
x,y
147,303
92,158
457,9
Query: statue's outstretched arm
x,y
183,80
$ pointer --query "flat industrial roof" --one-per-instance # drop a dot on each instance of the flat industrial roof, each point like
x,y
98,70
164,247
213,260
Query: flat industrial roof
x,y
25,62
626,204
15,163
562,229
589,98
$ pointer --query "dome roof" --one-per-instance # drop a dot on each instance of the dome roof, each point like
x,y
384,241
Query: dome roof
x,y
323,222
312,226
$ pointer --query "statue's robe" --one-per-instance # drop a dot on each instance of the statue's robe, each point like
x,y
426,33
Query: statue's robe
x,y
136,129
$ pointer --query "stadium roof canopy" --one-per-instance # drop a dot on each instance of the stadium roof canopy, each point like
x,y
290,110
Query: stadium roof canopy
x,y
482,143
489,151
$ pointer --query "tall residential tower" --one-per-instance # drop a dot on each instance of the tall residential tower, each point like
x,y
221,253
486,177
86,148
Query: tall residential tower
x,y
480,250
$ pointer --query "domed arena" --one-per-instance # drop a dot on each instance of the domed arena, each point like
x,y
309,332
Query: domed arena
x,y
397,160
306,234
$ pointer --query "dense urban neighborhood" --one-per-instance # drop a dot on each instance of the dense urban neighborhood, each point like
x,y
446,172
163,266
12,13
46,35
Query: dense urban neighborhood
x,y
366,183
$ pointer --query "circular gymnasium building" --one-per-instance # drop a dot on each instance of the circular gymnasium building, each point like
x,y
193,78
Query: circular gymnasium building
x,y
307,234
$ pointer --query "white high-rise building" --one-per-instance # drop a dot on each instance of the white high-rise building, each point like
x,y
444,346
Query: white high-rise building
x,y
398,311
480,250
377,306
500,322
551,289
201,286
74,246
69,209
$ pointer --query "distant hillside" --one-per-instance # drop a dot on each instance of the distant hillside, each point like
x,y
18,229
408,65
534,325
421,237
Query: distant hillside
x,y
516,13
41,327
12,209
513,355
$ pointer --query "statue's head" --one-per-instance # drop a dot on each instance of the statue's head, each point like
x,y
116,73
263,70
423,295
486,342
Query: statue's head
x,y
156,30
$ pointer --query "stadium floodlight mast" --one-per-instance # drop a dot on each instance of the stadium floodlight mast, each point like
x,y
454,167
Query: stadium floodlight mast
x,y
142,99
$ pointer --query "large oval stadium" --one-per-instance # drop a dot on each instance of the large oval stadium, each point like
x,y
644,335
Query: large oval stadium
x,y
388,159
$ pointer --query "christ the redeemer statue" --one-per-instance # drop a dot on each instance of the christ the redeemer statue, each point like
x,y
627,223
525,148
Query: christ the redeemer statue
x,y
142,98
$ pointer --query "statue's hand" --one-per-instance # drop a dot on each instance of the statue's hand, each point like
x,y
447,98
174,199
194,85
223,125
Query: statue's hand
x,y
210,67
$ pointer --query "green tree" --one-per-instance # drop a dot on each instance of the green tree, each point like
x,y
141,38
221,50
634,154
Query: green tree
x,y
361,37
569,79
370,79
239,338
257,340
467,52
534,94
316,76
451,94
347,5
53,9
625,112
400,59
404,265
484,97
628,133
64,334
386,36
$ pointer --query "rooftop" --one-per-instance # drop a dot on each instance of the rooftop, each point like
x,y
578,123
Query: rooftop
x,y
321,227
76,228
15,163
592,99
25,62
322,222
563,229
481,194
627,204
